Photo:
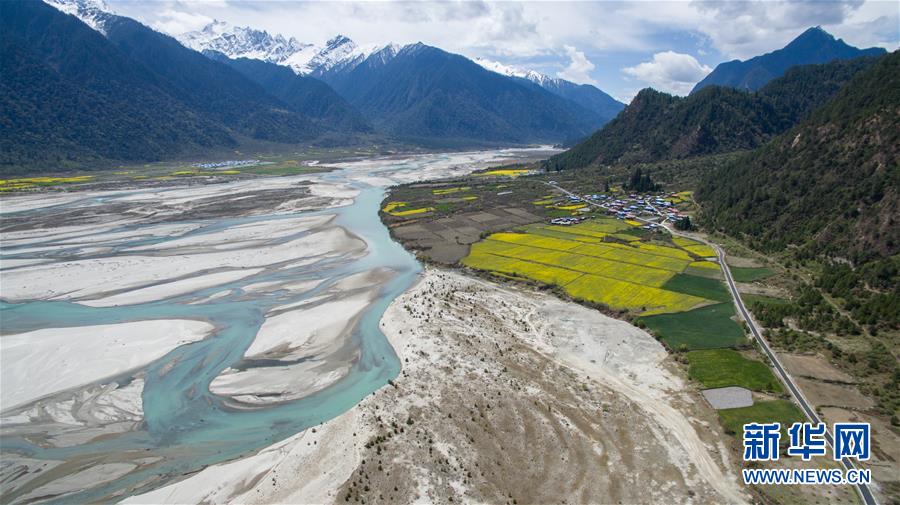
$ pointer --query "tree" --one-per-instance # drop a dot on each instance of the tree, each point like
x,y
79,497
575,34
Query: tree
x,y
641,182
684,224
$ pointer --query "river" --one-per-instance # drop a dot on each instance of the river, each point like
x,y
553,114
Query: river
x,y
205,401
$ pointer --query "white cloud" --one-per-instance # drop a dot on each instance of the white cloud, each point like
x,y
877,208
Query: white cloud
x,y
670,72
176,22
529,34
746,28
579,68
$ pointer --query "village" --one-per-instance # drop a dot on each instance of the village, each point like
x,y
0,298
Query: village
x,y
227,164
649,209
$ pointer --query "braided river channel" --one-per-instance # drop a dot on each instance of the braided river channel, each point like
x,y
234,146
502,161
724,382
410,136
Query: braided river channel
x,y
147,333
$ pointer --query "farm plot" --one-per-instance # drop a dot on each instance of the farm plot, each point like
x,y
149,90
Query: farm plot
x,y
750,274
633,255
449,191
698,286
653,277
704,269
549,231
717,368
596,271
626,295
782,411
535,241
708,327
603,225
536,271
399,209
696,248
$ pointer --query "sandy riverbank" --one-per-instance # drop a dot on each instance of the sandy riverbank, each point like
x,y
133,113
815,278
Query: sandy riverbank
x,y
504,395
43,362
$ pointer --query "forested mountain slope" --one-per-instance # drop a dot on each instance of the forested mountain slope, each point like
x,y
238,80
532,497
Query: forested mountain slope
x,y
657,126
68,96
830,185
306,95
422,91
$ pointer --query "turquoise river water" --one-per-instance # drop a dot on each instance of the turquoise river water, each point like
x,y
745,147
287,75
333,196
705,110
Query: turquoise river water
x,y
185,425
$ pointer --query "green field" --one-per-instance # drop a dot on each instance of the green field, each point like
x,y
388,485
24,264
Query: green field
x,y
698,286
782,411
750,274
771,301
716,368
708,327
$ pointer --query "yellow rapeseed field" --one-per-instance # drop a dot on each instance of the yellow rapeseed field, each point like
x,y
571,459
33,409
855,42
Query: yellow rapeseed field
x,y
632,255
665,251
392,205
576,230
577,262
508,172
411,212
536,241
30,182
447,191
621,276
481,259
391,208
631,296
694,247
550,231
709,265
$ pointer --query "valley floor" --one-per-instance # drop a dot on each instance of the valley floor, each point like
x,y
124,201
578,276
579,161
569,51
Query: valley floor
x,y
506,396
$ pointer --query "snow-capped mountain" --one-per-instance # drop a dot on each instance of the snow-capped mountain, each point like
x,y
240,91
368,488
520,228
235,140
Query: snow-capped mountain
x,y
585,95
240,42
94,13
338,53
508,70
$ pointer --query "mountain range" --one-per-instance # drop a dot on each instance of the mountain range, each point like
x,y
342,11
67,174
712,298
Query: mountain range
x,y
586,95
340,55
829,185
75,94
813,46
657,126
83,85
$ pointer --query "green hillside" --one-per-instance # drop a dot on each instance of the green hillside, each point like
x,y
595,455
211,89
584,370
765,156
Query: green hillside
x,y
828,191
828,186
657,126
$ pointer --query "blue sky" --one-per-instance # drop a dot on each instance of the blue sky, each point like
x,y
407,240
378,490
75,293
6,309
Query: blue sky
x,y
621,47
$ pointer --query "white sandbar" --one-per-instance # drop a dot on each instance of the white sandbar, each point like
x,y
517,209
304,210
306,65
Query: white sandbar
x,y
42,362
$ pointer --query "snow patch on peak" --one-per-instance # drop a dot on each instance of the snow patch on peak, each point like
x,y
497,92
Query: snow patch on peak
x,y
337,54
94,13
511,71
242,42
